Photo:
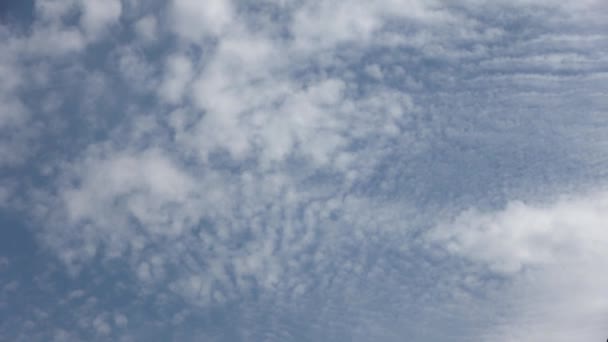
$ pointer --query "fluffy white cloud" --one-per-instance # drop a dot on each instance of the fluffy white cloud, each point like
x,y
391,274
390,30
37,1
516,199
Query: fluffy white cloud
x,y
147,188
147,28
194,20
178,75
554,253
523,236
95,16
98,15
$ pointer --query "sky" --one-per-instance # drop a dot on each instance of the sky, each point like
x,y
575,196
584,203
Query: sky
x,y
281,170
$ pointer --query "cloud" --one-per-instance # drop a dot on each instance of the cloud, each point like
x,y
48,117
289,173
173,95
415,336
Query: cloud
x,y
523,236
177,77
193,20
226,169
555,255
14,115
147,28
55,40
98,15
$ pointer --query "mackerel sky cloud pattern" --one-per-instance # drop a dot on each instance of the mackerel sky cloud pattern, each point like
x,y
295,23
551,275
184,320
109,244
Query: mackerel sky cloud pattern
x,y
277,170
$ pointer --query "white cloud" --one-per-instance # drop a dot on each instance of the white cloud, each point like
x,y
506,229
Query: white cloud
x,y
179,73
193,20
150,173
54,10
146,28
54,41
99,15
137,71
560,302
374,71
250,100
293,151
101,326
527,236
554,255
120,320
244,96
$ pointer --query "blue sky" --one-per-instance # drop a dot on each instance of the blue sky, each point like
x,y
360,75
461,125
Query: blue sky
x,y
318,170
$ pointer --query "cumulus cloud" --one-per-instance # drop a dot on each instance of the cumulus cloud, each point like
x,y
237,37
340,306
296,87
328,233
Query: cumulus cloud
x,y
194,20
555,255
523,236
147,28
178,75
98,15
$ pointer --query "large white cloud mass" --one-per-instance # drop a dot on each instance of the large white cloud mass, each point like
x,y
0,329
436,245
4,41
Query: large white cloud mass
x,y
306,170
556,255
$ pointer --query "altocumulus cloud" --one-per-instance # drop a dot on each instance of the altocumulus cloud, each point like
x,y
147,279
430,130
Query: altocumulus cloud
x,y
303,170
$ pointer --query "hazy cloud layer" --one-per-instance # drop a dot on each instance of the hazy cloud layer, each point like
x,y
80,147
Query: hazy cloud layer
x,y
296,171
